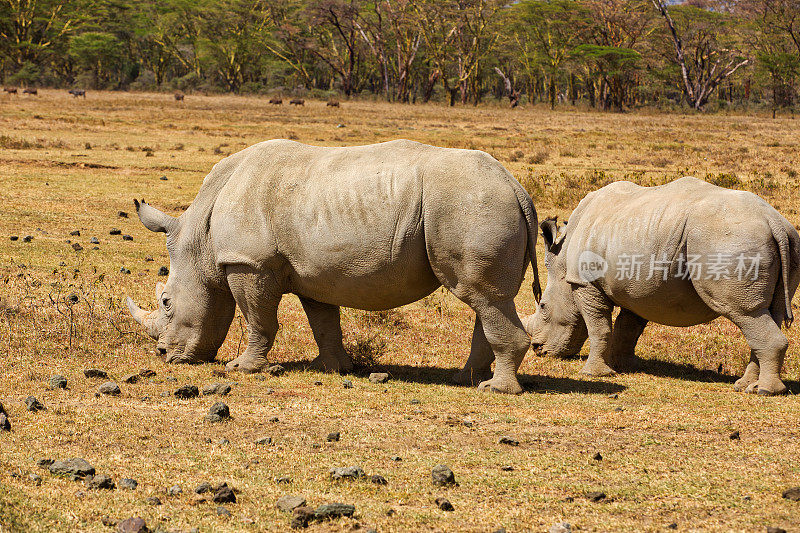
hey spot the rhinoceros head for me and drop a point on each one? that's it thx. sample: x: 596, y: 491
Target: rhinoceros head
x: 556, y: 328
x: 193, y: 314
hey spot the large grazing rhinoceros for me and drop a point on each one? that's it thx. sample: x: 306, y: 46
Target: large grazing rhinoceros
x: 369, y: 227
x: 680, y: 254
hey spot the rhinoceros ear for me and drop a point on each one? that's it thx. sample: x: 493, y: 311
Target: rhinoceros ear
x: 553, y: 233
x: 155, y: 220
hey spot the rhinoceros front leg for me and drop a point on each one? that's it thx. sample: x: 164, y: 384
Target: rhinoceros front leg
x: 327, y: 328
x: 479, y: 365
x: 768, y: 344
x: 257, y: 294
x: 596, y: 308
x: 628, y: 327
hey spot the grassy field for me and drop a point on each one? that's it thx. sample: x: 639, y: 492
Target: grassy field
x: 663, y: 433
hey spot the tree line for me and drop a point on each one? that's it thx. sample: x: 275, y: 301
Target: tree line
x: 607, y: 54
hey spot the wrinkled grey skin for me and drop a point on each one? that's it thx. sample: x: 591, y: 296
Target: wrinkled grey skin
x: 689, y: 217
x: 369, y: 227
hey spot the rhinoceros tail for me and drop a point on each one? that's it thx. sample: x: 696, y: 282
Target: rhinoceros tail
x: 532, y: 221
x: 784, y: 247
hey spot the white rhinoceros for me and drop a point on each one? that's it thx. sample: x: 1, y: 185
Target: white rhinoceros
x: 369, y: 227
x: 680, y: 254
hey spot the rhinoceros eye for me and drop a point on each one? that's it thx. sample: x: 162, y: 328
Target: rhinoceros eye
x: 166, y: 302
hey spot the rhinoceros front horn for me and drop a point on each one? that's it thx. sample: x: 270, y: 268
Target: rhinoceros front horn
x: 142, y: 317
x: 155, y: 220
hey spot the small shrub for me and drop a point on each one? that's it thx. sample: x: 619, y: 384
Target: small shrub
x: 539, y: 157
x: 516, y: 155
x: 12, y: 143
x: 729, y: 181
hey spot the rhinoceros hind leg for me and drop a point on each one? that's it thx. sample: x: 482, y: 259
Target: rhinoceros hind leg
x: 768, y: 345
x: 628, y: 327
x: 750, y: 375
x: 479, y: 365
x: 596, y: 308
x: 326, y: 326
x: 509, y: 343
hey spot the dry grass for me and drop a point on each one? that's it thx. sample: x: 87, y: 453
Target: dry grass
x: 71, y: 164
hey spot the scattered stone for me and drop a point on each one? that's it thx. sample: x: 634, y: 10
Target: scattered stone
x: 110, y: 388
x: 276, y: 370
x: 133, y: 525
x: 76, y: 468
x: 223, y: 512
x: 72, y: 299
x: 131, y: 379
x: 347, y: 472
x: 377, y: 479
x: 563, y: 527
x: 175, y: 490
x: 153, y: 500
x: 618, y: 409
x: 330, y: 511
x: 673, y: 525
x: 224, y: 495
x: 163, y: 271
x: 220, y: 389
x: 264, y: 440
x: 58, y: 382
x: 14, y: 237
x: 792, y: 494
x: 771, y: 529
x: 444, y: 504
x: 273, y: 419
x: 597, y: 457
x: 147, y: 373
x: 149, y: 259
x: 202, y: 488
x: 508, y: 440
x: 122, y: 214
x: 414, y: 401
x: 218, y: 412
x: 43, y: 463
x: 128, y: 483
x: 334, y: 436
x: 396, y: 458
x: 77, y: 247
x: 94, y: 240
x: 75, y: 233
x: 283, y: 480
x: 163, y: 178
x: 27, y: 238
x: 301, y: 516
x: 187, y: 391
x: 317, y: 383
x: 101, y: 481
x: 595, y: 496
x: 124, y: 270
x: 347, y: 384
x: 734, y: 435
x: 443, y: 476
x: 507, y: 468
x: 171, y: 379
x: 36, y: 479
x: 33, y: 405
x: 115, y: 231
x: 289, y: 502
x: 378, y: 377
x: 127, y: 237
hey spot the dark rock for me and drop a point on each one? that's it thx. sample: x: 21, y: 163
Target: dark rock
x: 148, y: 259
x: 163, y: 271
x: 734, y: 435
x: 273, y: 419
x: 14, y: 237
x: 175, y: 490
x: 72, y: 299
x: 378, y: 479
x: 618, y: 409
x: 396, y: 458
x: 507, y: 468
x: 75, y: 467
x: 301, y: 516
x: 771, y: 529
x: 186, y: 392
x: 77, y: 247
x: 218, y: 412
x: 414, y: 401
x: 33, y: 405
x: 132, y: 525
x: 508, y: 440
x: 202, y: 488
x: 264, y: 440
x: 58, y: 382
x: 334, y: 436
x: 444, y: 504
x: 673, y: 525
x: 101, y: 481
x: 127, y: 237
x: 597, y: 457
x: 347, y: 384
x: 115, y: 231
x: 124, y: 270
x: 276, y: 370
x: 131, y: 379
x: 223, y: 512
x: 289, y: 502
x: 283, y: 480
x: 595, y: 496
x: 163, y: 178
x: 122, y: 214
x: 128, y: 483
x: 378, y: 377
x: 442, y: 475
x: 44, y: 463
x: 27, y: 238
x: 75, y: 233
x: 110, y: 388
x: 347, y: 472
x: 792, y: 494
x: 94, y: 240
x: 224, y: 495
x: 147, y: 373
x: 330, y: 511
x: 220, y: 389
x: 317, y: 383
x: 153, y: 500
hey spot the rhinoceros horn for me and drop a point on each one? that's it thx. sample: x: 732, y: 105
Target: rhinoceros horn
x: 142, y: 317
x: 155, y: 220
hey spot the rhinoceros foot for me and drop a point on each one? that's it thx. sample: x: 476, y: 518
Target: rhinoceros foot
x: 245, y: 364
x: 471, y: 377
x: 775, y: 388
x: 341, y: 364
x: 597, y: 369
x: 504, y: 386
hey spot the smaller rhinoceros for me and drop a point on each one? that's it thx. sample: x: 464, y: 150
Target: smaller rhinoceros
x: 680, y: 254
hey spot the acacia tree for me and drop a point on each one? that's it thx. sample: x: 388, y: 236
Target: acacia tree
x: 711, y: 60
x: 335, y: 38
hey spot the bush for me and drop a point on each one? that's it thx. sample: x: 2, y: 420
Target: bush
x: 146, y: 81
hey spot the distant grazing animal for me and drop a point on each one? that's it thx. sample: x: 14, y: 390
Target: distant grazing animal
x: 333, y: 103
x: 77, y: 92
x: 297, y: 101
x: 30, y: 90
x: 276, y: 101
x: 10, y: 90
x: 179, y: 96
x: 368, y: 227
x: 679, y: 254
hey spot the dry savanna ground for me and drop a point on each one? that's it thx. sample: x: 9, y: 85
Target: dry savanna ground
x: 663, y: 433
